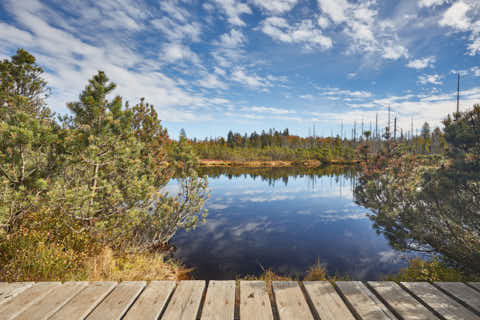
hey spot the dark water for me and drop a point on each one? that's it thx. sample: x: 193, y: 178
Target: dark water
x: 286, y: 220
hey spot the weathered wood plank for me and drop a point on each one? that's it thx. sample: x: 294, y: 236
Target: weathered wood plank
x: 401, y: 301
x: 83, y: 303
x: 118, y: 302
x: 151, y: 301
x: 327, y: 302
x: 462, y: 292
x: 363, y: 301
x: 51, y: 303
x: 185, y: 301
x: 10, y: 290
x: 220, y: 301
x: 439, y: 301
x: 476, y: 285
x: 254, y: 301
x: 291, y: 303
x: 23, y: 300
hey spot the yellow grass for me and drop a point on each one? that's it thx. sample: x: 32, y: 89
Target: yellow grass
x: 134, y: 267
x: 272, y: 164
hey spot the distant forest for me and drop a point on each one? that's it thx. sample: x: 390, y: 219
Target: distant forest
x: 277, y: 145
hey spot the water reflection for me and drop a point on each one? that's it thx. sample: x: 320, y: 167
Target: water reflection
x: 438, y: 214
x: 284, y: 219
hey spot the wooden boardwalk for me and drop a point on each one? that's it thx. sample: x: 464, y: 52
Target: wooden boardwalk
x: 223, y: 300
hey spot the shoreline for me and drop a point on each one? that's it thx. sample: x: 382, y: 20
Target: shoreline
x: 273, y: 163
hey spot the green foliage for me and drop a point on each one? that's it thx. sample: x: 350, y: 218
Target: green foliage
x: 433, y: 270
x: 426, y: 204
x: 21, y: 86
x: 95, y: 180
x: 274, y: 146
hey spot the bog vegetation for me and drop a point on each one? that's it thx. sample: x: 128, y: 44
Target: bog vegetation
x: 77, y: 185
x: 274, y: 145
x: 82, y: 195
x: 429, y: 204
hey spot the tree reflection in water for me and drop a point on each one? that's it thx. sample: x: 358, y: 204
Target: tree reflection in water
x: 431, y: 208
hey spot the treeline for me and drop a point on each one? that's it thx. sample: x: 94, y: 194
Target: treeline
x: 74, y: 185
x: 273, y: 145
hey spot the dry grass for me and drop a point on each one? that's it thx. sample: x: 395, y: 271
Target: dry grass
x: 268, y: 163
x: 134, y: 267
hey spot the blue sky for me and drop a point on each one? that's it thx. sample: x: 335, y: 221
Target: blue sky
x: 210, y: 66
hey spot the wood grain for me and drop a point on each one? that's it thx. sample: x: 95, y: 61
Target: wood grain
x: 401, y: 301
x: 328, y: 304
x: 439, y: 301
x: 462, y: 292
x: 291, y: 303
x: 220, y: 301
x: 51, y: 303
x: 363, y: 301
x: 152, y: 301
x: 23, y: 300
x: 254, y: 301
x: 185, y: 301
x: 118, y: 301
x: 83, y: 303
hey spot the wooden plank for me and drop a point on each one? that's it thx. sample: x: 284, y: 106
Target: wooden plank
x: 327, y: 302
x: 51, y: 303
x: 363, y: 301
x: 254, y: 301
x: 291, y: 303
x: 152, y: 301
x: 118, y: 302
x: 10, y: 290
x: 439, y: 301
x: 185, y: 301
x: 476, y: 285
x: 220, y: 301
x: 84, y: 302
x: 462, y: 292
x: 401, y: 301
x: 23, y: 300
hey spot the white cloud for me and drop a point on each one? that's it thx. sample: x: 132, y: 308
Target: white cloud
x: 178, y: 31
x: 456, y: 17
x: 464, y: 16
x: 307, y: 97
x: 71, y: 56
x: 175, y: 11
x: 276, y: 6
x: 173, y: 52
x: 422, y: 63
x: 430, y: 79
x: 306, y: 32
x: 336, y: 92
x: 323, y: 22
x: 431, y: 3
x: 233, y: 39
x: 335, y: 9
x: 234, y: 9
x: 211, y: 81
x: 269, y: 110
x: 395, y: 52
x: 461, y: 72
x: 358, y: 23
x: 476, y: 71
x: 250, y: 80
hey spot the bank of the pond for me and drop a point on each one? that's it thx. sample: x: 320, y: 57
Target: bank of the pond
x: 273, y: 163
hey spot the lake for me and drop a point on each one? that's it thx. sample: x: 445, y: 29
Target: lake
x: 285, y: 219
